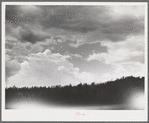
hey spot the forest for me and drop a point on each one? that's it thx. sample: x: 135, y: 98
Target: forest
x: 110, y: 92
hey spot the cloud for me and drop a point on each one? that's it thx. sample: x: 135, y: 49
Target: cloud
x: 12, y: 32
x: 127, y: 69
x: 31, y: 10
x: 130, y: 50
x: 86, y: 77
x: 12, y: 68
x: 24, y: 31
x: 137, y: 11
x: 16, y: 50
x: 86, y: 23
x: 76, y: 43
x: 108, y: 25
x: 61, y: 68
x: 126, y: 58
x: 36, y: 48
x: 30, y: 36
x: 47, y: 69
x: 22, y: 13
x: 11, y: 12
x: 76, y: 55
x: 13, y: 16
x: 73, y: 18
x: 111, y: 34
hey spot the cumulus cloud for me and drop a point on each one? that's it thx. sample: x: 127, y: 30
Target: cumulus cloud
x: 46, y: 69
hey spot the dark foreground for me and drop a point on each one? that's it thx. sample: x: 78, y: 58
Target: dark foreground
x: 122, y: 94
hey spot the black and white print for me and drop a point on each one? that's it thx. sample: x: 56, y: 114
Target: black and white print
x: 86, y: 57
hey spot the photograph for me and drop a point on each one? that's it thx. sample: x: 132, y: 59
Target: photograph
x: 75, y: 57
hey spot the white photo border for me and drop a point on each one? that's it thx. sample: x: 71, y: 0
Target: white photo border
x: 65, y: 115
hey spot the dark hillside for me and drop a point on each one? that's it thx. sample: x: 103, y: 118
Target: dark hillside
x: 111, y: 92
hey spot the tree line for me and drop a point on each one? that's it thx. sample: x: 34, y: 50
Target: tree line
x: 111, y: 92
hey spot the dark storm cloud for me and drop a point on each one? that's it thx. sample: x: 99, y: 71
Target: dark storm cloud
x: 75, y: 18
x: 92, y: 22
x: 14, y: 16
x: 30, y: 36
x: 11, y: 12
x: 99, y: 20
x: 119, y: 30
x: 82, y: 26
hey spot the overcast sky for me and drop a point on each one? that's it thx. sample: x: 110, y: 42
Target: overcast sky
x: 59, y: 45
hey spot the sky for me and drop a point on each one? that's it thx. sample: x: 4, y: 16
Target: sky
x: 48, y: 45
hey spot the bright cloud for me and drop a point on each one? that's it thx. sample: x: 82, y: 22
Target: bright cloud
x: 126, y: 58
x: 120, y: 52
x: 46, y: 69
x: 128, y: 69
x: 136, y: 11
